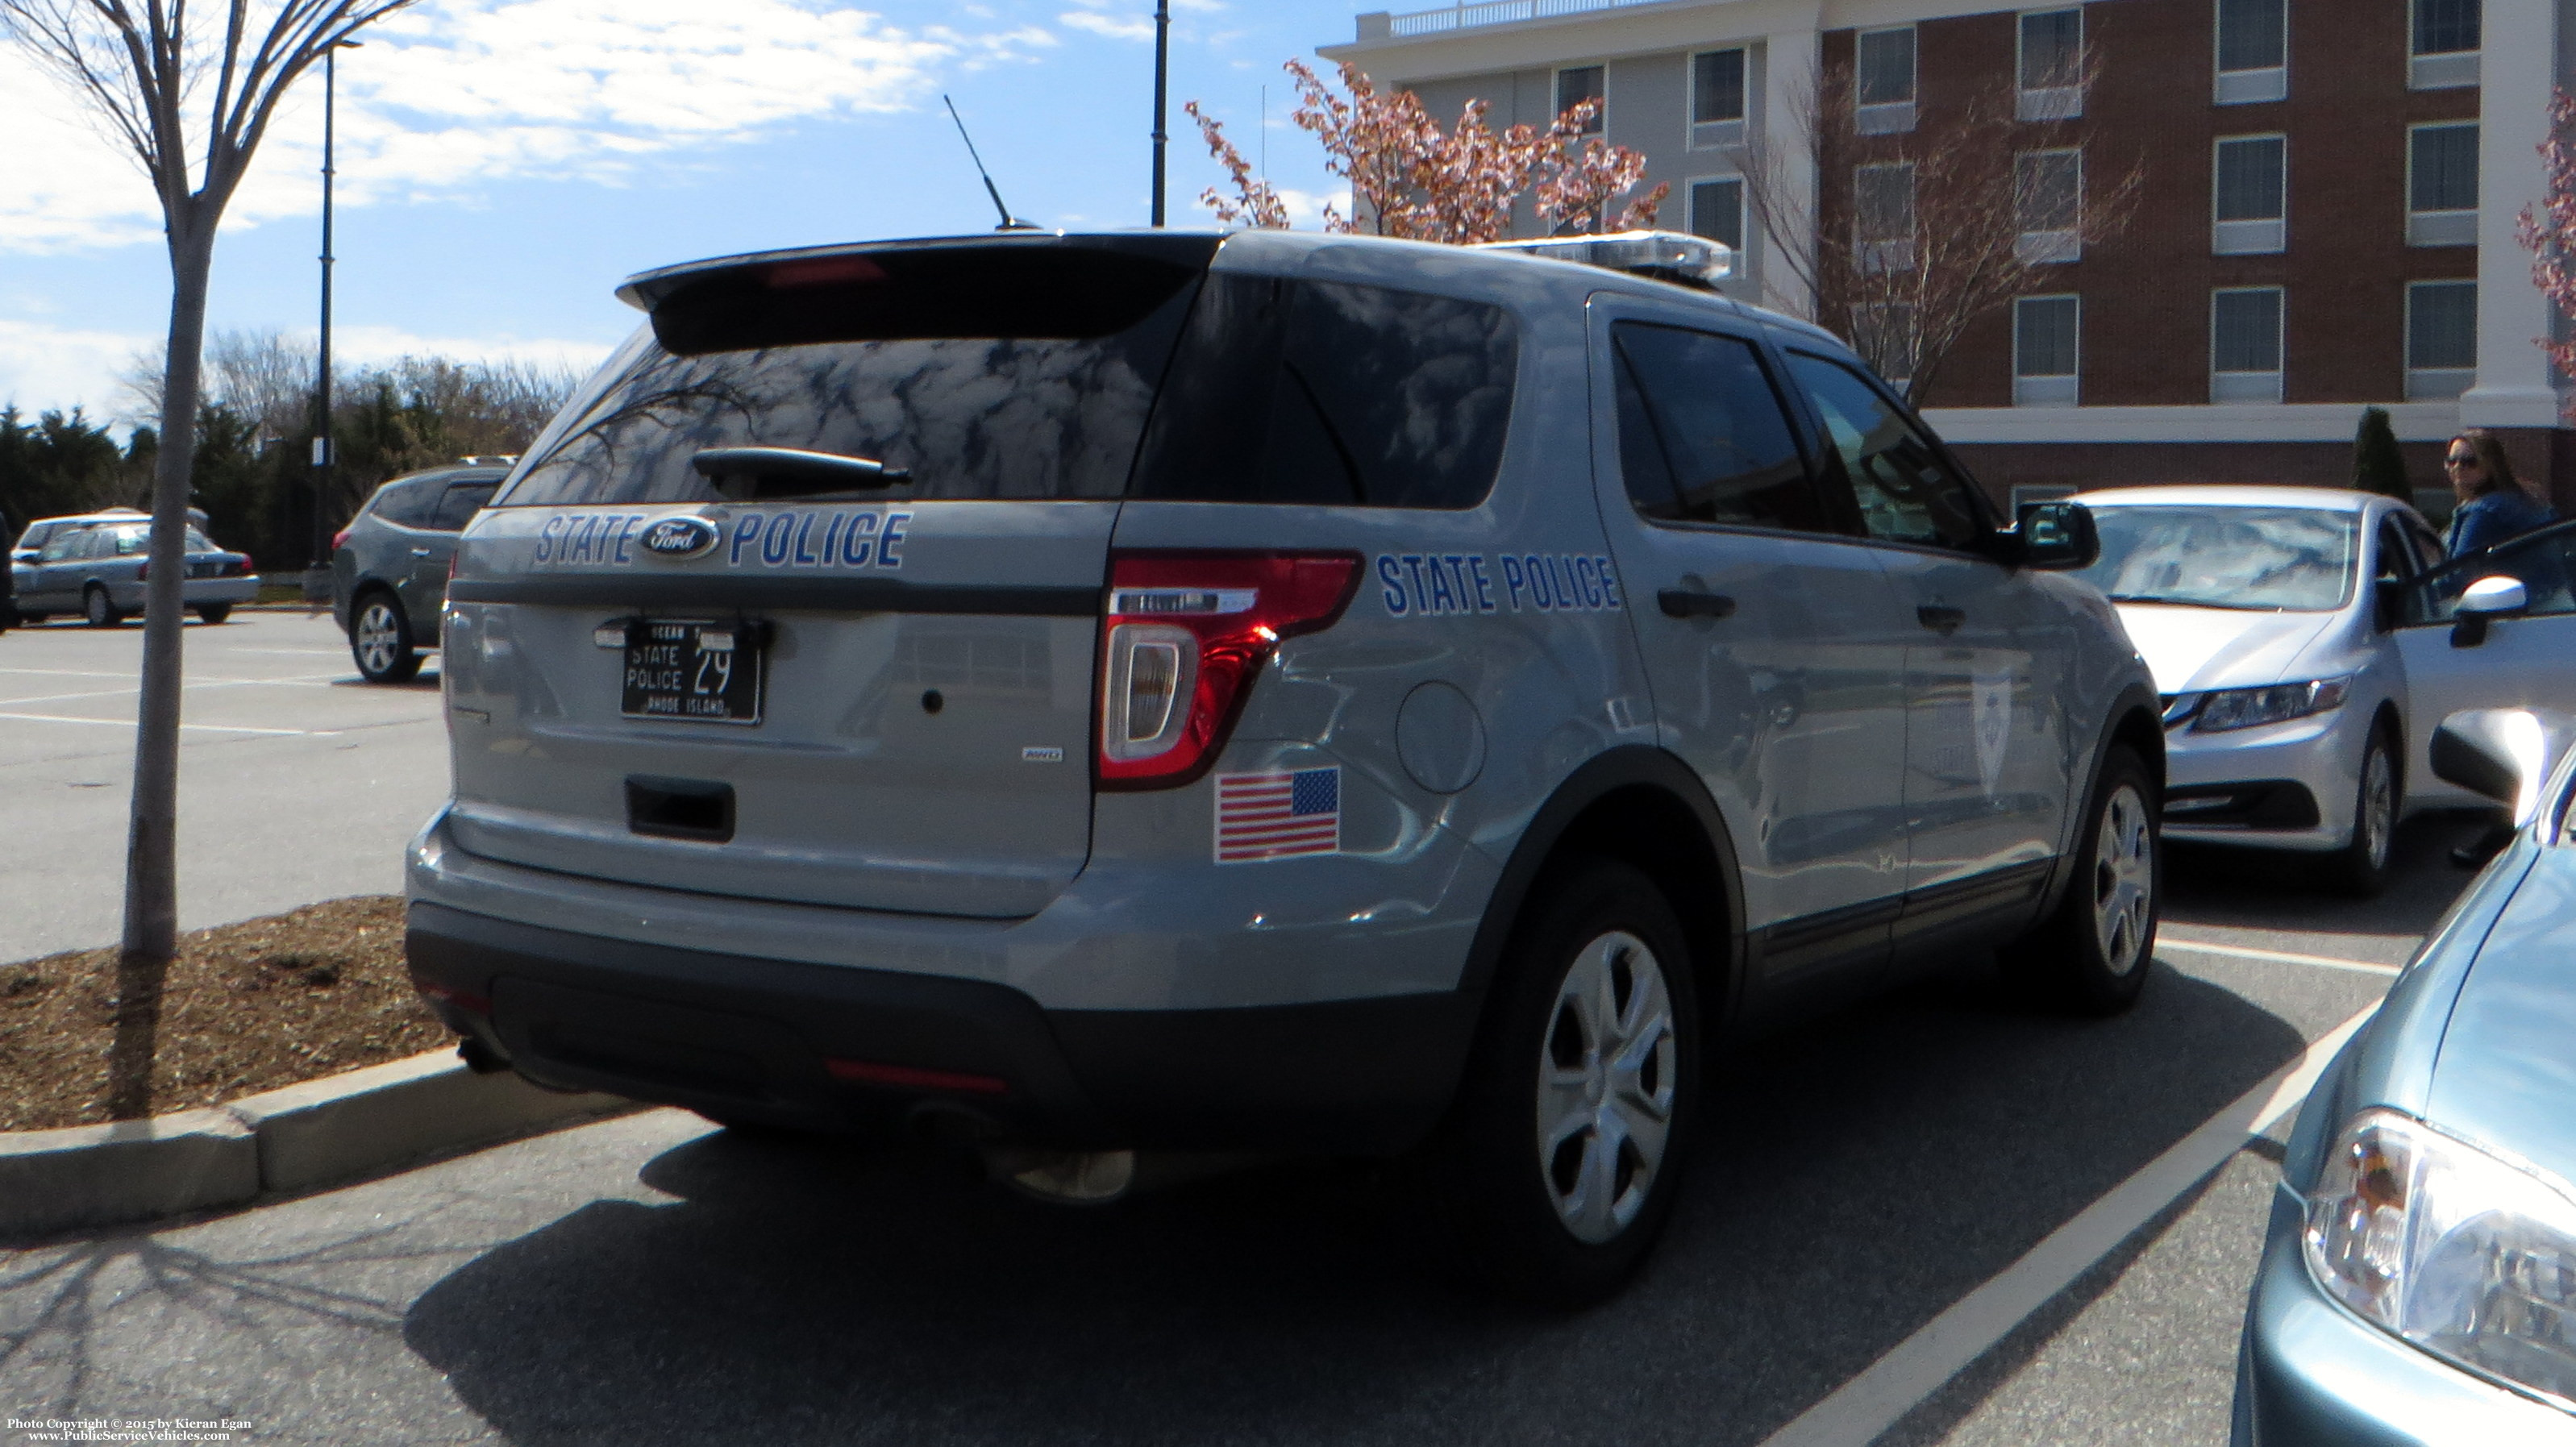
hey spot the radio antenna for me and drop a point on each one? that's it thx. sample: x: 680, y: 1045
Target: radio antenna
x: 1009, y: 221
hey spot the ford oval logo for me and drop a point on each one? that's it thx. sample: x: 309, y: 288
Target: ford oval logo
x: 681, y: 537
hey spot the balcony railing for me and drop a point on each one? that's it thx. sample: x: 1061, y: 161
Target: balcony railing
x: 1487, y: 12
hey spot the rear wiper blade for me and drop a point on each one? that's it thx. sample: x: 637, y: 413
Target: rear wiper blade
x: 772, y: 472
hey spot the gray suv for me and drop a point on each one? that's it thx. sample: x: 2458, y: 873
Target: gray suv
x: 389, y: 565
x: 1118, y: 699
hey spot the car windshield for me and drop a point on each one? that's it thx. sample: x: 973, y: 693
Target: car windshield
x: 2270, y: 559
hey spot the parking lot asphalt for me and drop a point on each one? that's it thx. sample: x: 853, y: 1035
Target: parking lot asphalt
x: 297, y: 782
x: 653, y: 1280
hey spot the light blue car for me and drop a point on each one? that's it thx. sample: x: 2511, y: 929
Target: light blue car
x: 2419, y: 1283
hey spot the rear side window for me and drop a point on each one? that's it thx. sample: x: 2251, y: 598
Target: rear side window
x: 1702, y: 437
x: 1329, y: 393
x: 457, y: 507
x: 407, y: 504
x: 1906, y: 493
x: 986, y: 371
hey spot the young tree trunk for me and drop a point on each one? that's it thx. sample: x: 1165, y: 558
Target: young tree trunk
x: 151, y: 850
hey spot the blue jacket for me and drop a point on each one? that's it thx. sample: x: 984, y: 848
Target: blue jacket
x: 2482, y: 522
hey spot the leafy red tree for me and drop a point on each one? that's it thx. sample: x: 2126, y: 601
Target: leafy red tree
x: 1410, y: 178
x: 2548, y: 230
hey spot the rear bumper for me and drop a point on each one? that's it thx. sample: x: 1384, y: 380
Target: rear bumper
x: 870, y: 1051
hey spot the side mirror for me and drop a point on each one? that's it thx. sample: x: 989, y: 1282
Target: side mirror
x: 2055, y: 536
x: 2486, y: 599
x: 2501, y: 753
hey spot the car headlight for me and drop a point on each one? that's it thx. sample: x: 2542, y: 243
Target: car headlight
x: 2467, y: 1256
x: 2245, y: 708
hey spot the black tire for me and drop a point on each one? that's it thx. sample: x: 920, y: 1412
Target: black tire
x: 2360, y: 868
x: 214, y: 612
x: 380, y: 639
x: 98, y: 610
x: 1522, y: 1209
x: 2091, y: 955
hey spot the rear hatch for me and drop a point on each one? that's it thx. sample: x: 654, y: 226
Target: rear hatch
x: 800, y: 600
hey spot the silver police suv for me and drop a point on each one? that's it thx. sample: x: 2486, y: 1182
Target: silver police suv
x: 1115, y: 697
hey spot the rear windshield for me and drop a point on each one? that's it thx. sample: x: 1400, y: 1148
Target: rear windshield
x: 973, y: 372
x: 1024, y: 373
x: 132, y: 541
x: 2265, y: 559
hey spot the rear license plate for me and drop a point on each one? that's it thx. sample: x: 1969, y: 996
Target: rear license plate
x: 692, y: 672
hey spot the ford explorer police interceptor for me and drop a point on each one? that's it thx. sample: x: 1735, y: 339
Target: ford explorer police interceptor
x: 1107, y: 696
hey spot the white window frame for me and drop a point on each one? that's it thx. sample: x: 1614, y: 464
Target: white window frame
x: 2041, y: 248
x: 2053, y: 389
x: 1556, y: 92
x: 2247, y: 87
x: 2253, y: 386
x: 2439, y: 228
x: 2437, y: 382
x: 1888, y: 117
x: 2261, y: 236
x: 1707, y: 135
x: 1884, y: 253
x: 1743, y: 210
x: 2046, y: 103
x: 2443, y: 69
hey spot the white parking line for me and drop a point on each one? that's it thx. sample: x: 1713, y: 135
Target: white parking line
x: 1870, y: 1403
x: 2366, y: 967
x: 74, y: 672
x: 127, y: 723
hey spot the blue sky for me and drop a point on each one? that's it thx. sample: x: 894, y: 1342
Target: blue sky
x: 503, y: 163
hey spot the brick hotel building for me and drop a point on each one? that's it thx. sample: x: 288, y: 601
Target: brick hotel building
x: 2326, y: 220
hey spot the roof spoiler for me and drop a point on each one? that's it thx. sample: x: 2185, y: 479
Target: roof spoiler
x: 1693, y: 261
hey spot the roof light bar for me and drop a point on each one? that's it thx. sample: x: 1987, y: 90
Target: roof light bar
x: 1663, y: 255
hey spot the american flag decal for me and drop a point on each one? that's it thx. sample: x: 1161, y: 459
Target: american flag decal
x: 1278, y: 815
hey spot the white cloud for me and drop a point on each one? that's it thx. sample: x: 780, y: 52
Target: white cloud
x: 1116, y: 27
x: 361, y: 346
x: 1306, y: 208
x: 441, y: 102
x: 53, y: 369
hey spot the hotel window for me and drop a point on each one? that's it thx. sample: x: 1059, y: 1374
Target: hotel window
x: 2253, y: 51
x: 2447, y: 36
x: 1883, y: 83
x: 1883, y: 216
x: 2048, y: 202
x: 2245, y: 344
x: 2441, y: 338
x: 2250, y: 195
x: 2045, y: 346
x: 1717, y: 212
x: 2052, y: 65
x: 1578, y: 84
x: 2442, y: 185
x: 1717, y: 98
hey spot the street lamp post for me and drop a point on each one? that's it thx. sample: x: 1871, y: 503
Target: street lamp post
x: 323, y: 451
x: 1162, y: 73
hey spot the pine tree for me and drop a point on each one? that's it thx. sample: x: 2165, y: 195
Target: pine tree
x: 2378, y: 465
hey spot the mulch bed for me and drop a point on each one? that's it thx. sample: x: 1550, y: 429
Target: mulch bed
x: 250, y: 1007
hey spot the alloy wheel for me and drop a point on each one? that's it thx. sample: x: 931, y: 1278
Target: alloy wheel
x: 379, y: 637
x: 1607, y: 1072
x: 2124, y: 881
x: 2378, y: 815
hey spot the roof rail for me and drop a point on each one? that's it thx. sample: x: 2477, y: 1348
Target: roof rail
x: 1694, y: 261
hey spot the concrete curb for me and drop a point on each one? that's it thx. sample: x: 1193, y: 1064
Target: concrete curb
x: 322, y: 1131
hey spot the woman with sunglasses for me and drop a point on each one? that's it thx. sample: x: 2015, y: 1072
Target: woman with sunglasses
x: 2494, y: 505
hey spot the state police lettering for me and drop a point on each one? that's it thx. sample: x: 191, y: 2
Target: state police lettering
x: 1437, y: 585
x: 804, y: 539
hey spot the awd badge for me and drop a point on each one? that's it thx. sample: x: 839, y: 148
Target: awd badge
x: 681, y: 538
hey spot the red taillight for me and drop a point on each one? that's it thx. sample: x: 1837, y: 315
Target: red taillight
x: 1183, y: 638
x: 143, y: 570
x: 247, y: 568
x: 914, y: 1078
x: 339, y: 540
x: 461, y: 999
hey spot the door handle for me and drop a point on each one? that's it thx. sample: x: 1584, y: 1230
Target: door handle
x: 420, y: 552
x: 1691, y: 603
x: 1940, y: 619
